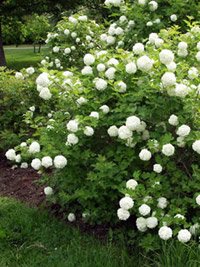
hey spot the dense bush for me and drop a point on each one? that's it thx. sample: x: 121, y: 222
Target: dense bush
x: 124, y: 125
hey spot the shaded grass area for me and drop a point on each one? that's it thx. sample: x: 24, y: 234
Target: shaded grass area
x: 22, y: 57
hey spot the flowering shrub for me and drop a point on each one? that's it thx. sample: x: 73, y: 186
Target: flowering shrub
x: 72, y: 38
x: 120, y: 129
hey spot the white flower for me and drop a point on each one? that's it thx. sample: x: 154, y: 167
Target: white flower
x: 67, y: 74
x: 66, y: 32
x: 110, y: 73
x: 165, y: 233
x: 181, y: 90
x: 32, y: 108
x: 101, y: 67
x: 56, y: 49
x: 34, y: 148
x: 149, y: 23
x: 73, y: 20
x: 141, y: 224
x: 119, y: 31
x: 72, y: 126
x: 142, y: 2
x: 67, y: 51
x: 184, y: 236
x: 131, y: 184
x: 180, y: 141
x: 60, y: 162
x: 110, y: 40
x: 168, y: 79
x: 43, y: 80
x: 173, y: 120
x: 87, y: 70
x: 47, y: 162
x: 153, y: 5
x: 11, y: 154
x: 153, y: 37
x: 145, y: 155
x: 124, y: 132
x: 115, y: 3
x: 131, y: 68
x: 152, y: 222
x: 72, y: 139
x: 45, y: 93
x: 198, y: 200
x: 48, y: 191
x: 88, y: 131
x: 121, y: 87
x: 144, y: 209
x: 168, y: 150
x: 182, y: 53
x: 81, y: 101
x: 182, y: 45
x: 166, y: 56
x: 122, y: 214
x: 36, y: 164
x: 198, y: 56
x: 18, y: 158
x: 19, y: 76
x: 198, y: 46
x: 194, y: 228
x: 193, y: 73
x: 157, y: 168
x: 23, y: 144
x: 94, y: 114
x: 30, y: 70
x: 179, y: 216
x: 138, y: 48
x: 24, y: 165
x: 173, y: 18
x: 101, y: 84
x: 126, y: 203
x: 89, y: 59
x: 144, y: 63
x: 183, y: 130
x: 71, y: 217
x: 159, y: 42
x: 113, y: 131
x: 162, y: 202
x: 171, y: 66
x: 105, y: 109
x: 133, y: 123
x: 196, y: 146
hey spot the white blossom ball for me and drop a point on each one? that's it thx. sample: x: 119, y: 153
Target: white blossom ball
x: 141, y: 224
x: 87, y: 70
x: 168, y: 79
x: 168, y: 150
x: 153, y: 5
x: 138, y: 48
x: 145, y: 155
x: 110, y: 73
x: 173, y: 17
x: 71, y: 217
x: 133, y: 123
x: 110, y: 40
x: 198, y: 56
x: 23, y: 144
x: 142, y: 2
x: 18, y: 158
x: 24, y: 165
x: 47, y: 162
x: 72, y: 139
x: 11, y: 154
x: 184, y: 236
x: 144, y: 209
x: 121, y: 87
x: 151, y: 222
x: 67, y: 51
x: 36, y: 164
x: 196, y: 146
x: 123, y: 214
x: 89, y: 59
x: 144, y: 63
x: 173, y: 120
x: 101, y: 67
x: 72, y: 126
x: 94, y: 114
x: 105, y: 109
x: 157, y: 168
x: 60, y: 162
x: 88, y: 131
x: 43, y: 80
x: 198, y: 200
x: 131, y: 184
x: 30, y: 70
x: 48, y: 191
x: 162, y: 202
x: 66, y: 32
x: 183, y: 130
x: 126, y: 203
x: 182, y: 45
x: 19, y: 75
x: 34, y: 148
x: 165, y: 232
x: 113, y: 131
x: 182, y: 53
x: 81, y: 100
x: 171, y: 66
x: 45, y: 93
x: 193, y: 73
x: 56, y: 49
x: 131, y: 68
x: 181, y: 90
x: 124, y: 132
x: 166, y: 56
x: 101, y: 84
x: 198, y: 46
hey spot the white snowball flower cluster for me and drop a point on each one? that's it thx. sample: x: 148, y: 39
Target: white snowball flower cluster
x: 47, y: 162
x: 181, y: 90
x: 11, y: 154
x: 138, y: 48
x: 60, y: 162
x: 133, y: 123
x: 30, y: 70
x: 72, y: 139
x: 168, y: 150
x: 198, y: 200
x: 126, y: 203
x: 45, y: 93
x: 19, y: 75
x: 153, y: 5
x: 144, y: 209
x: 48, y: 191
x: 94, y: 114
x: 141, y: 224
x: 196, y: 146
x: 184, y: 236
x: 168, y: 79
x: 183, y: 130
x: 89, y: 59
x: 144, y: 63
x: 71, y: 217
x: 115, y: 3
x: 88, y: 131
x: 173, y: 17
x: 121, y: 87
x: 72, y: 126
x: 145, y: 155
x: 43, y: 82
x: 34, y: 148
x: 105, y: 109
x: 162, y: 203
x: 173, y: 120
x: 101, y: 84
x: 123, y: 214
x: 157, y: 168
x: 166, y: 56
x: 113, y: 131
x: 152, y: 222
x: 124, y: 132
x: 131, y: 184
x: 131, y: 68
x: 36, y: 164
x: 165, y: 232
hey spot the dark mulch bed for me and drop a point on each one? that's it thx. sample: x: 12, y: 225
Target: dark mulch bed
x: 20, y: 183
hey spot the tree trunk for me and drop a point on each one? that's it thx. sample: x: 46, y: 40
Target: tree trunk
x: 2, y: 54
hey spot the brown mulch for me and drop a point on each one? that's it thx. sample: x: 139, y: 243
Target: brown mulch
x: 20, y: 183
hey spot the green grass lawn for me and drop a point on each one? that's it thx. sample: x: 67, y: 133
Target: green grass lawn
x: 22, y: 56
